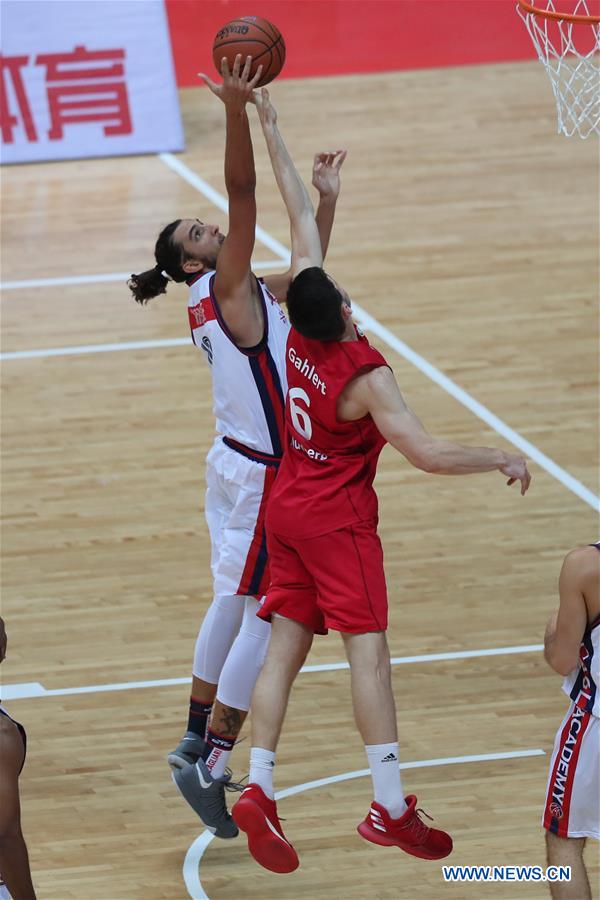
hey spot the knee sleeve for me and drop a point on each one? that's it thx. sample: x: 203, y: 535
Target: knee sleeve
x: 217, y: 633
x: 245, y: 659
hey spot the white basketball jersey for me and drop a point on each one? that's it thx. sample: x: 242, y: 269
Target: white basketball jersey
x: 249, y: 384
x: 582, y: 683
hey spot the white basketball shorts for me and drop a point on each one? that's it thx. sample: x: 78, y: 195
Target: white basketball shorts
x: 573, y: 793
x: 237, y: 490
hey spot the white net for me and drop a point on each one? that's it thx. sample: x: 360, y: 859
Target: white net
x: 570, y: 52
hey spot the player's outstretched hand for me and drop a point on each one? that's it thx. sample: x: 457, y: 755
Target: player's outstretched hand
x: 516, y: 469
x: 237, y: 86
x: 266, y: 111
x: 326, y: 172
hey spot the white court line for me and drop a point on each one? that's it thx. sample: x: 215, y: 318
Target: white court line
x: 513, y: 437
x: 95, y: 348
x: 369, y: 323
x: 107, y: 277
x: 35, y: 689
x: 193, y: 858
x: 435, y: 657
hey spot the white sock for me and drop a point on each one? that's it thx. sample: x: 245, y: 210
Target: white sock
x: 262, y: 763
x: 385, y: 772
x: 216, y: 762
x: 217, y: 751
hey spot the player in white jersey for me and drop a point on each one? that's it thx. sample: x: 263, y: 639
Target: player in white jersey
x: 15, y: 875
x: 572, y: 648
x: 237, y: 323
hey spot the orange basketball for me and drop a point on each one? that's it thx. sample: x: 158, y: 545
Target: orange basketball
x: 255, y: 37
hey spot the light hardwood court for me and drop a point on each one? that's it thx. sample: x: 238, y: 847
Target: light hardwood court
x: 469, y: 230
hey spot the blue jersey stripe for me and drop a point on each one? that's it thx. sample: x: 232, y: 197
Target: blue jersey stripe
x: 267, y: 404
x: 585, y: 670
x: 275, y: 376
x: 259, y: 568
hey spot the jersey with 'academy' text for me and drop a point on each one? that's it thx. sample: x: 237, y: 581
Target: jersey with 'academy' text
x: 325, y: 481
x: 249, y: 383
x: 582, y: 683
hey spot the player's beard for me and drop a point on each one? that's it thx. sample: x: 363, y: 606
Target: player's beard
x: 210, y: 262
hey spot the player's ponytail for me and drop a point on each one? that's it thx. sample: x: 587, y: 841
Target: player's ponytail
x: 147, y: 285
x: 169, y: 258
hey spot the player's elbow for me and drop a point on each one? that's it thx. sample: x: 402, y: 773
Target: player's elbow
x: 560, y: 660
x: 10, y: 831
x: 244, y: 186
x: 422, y: 458
x: 431, y: 464
x: 561, y: 667
x: 303, y: 227
x: 419, y: 450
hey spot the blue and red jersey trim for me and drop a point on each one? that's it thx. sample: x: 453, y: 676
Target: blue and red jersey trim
x: 261, y: 362
x: 255, y: 577
x: 246, y: 351
x: 562, y: 776
x: 266, y: 378
x: 584, y: 690
x: 267, y: 459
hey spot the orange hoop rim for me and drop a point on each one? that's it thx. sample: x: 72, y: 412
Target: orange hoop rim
x: 561, y: 17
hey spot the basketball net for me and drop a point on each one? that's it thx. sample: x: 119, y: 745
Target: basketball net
x: 568, y: 45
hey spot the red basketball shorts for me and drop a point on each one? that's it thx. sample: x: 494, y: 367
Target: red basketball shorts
x: 333, y: 581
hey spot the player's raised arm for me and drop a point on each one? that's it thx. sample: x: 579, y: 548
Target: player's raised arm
x: 306, y: 242
x: 377, y: 393
x: 565, y: 628
x: 233, y: 264
x: 326, y: 179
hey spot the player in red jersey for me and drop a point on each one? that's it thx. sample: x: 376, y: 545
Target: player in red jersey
x: 326, y: 559
x: 241, y: 331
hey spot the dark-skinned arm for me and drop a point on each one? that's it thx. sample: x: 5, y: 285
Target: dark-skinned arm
x: 233, y: 285
x: 14, y: 859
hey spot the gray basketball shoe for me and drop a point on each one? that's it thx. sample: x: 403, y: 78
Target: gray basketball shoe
x: 206, y: 796
x: 187, y: 752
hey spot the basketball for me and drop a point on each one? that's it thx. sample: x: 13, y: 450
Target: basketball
x: 255, y: 37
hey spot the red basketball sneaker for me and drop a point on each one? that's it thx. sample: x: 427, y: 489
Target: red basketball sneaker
x: 409, y: 832
x: 255, y: 814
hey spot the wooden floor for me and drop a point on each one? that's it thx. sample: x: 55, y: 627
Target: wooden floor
x: 470, y: 231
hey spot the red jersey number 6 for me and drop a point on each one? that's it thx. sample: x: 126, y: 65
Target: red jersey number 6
x: 300, y: 417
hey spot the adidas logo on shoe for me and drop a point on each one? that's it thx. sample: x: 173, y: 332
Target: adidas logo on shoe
x: 377, y: 820
x: 408, y: 832
x: 391, y: 757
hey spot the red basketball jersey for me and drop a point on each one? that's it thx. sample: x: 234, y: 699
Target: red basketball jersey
x: 325, y: 481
